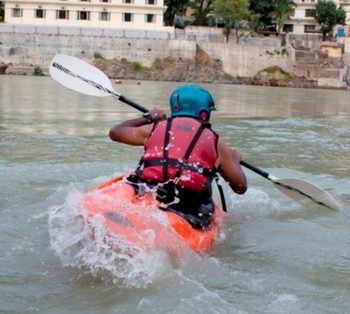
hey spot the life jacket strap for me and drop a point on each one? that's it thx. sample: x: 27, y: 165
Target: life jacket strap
x: 179, y: 165
x: 165, y: 148
x: 221, y: 192
x: 190, y: 148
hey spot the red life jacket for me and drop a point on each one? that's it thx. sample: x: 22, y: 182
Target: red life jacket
x: 181, y: 148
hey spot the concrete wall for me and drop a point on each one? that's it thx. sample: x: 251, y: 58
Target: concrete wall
x: 28, y: 44
x: 346, y: 42
x: 246, y: 60
x: 37, y: 45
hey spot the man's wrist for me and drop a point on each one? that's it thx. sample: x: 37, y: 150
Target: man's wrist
x: 148, y: 116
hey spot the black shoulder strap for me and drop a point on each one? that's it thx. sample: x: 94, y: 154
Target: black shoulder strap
x: 191, y: 146
x: 194, y: 142
x: 141, y: 162
x: 221, y: 192
x: 166, y: 149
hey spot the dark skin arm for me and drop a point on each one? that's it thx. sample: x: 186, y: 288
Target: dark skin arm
x: 230, y: 169
x: 136, y: 131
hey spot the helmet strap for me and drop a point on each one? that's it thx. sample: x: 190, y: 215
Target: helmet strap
x: 204, y: 115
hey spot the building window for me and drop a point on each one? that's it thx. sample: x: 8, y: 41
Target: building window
x: 309, y: 12
x: 127, y: 17
x: 151, y: 2
x: 83, y: 15
x: 62, y: 14
x: 309, y: 28
x: 128, y: 1
x: 150, y: 18
x: 288, y: 28
x: 17, y: 12
x: 105, y: 16
x: 39, y: 13
x: 105, y: 0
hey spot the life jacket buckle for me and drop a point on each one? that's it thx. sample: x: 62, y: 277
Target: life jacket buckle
x: 162, y: 194
x: 166, y: 192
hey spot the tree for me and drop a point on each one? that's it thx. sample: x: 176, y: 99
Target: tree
x: 2, y: 17
x: 282, y: 10
x: 264, y: 9
x: 234, y: 13
x: 174, y: 7
x: 201, y: 9
x: 328, y: 15
x: 255, y: 24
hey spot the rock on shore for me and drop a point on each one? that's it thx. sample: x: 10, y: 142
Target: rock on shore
x: 201, y: 69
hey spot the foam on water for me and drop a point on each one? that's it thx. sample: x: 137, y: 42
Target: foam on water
x: 284, y: 303
x: 89, y: 247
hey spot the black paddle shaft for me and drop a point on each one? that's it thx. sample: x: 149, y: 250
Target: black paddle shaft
x: 132, y: 104
x: 255, y: 169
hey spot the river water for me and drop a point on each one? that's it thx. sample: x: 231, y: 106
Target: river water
x: 273, y: 256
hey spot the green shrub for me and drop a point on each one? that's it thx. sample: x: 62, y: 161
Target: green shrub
x: 38, y: 71
x: 97, y: 55
x: 137, y: 67
x: 3, y: 68
x: 228, y: 76
x: 276, y: 70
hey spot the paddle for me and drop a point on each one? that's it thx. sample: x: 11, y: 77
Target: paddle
x: 82, y: 77
x: 297, y: 189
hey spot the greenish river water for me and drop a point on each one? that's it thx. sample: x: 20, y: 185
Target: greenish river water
x: 273, y: 256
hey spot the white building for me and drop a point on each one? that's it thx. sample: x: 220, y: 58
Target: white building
x: 301, y: 22
x: 126, y: 14
x: 345, y: 4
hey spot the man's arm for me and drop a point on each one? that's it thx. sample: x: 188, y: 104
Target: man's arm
x: 230, y: 169
x: 136, y: 131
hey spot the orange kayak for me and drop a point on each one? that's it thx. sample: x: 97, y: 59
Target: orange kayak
x: 137, y: 220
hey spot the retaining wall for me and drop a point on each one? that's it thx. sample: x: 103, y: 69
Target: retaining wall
x: 37, y: 45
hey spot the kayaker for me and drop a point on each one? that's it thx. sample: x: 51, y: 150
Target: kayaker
x: 182, y: 154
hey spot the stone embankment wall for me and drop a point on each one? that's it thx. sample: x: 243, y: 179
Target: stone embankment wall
x: 311, y: 62
x: 37, y: 45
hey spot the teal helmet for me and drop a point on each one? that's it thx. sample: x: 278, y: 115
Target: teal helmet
x: 193, y: 101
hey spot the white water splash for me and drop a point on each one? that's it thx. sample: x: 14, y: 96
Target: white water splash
x: 254, y: 201
x: 88, y: 247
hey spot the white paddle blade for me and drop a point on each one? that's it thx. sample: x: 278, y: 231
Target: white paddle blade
x: 302, y: 191
x: 80, y: 76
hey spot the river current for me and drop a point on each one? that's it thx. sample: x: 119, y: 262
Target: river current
x: 273, y: 256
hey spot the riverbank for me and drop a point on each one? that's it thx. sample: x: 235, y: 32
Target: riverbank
x: 203, y: 69
x: 192, y: 55
x: 195, y: 54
